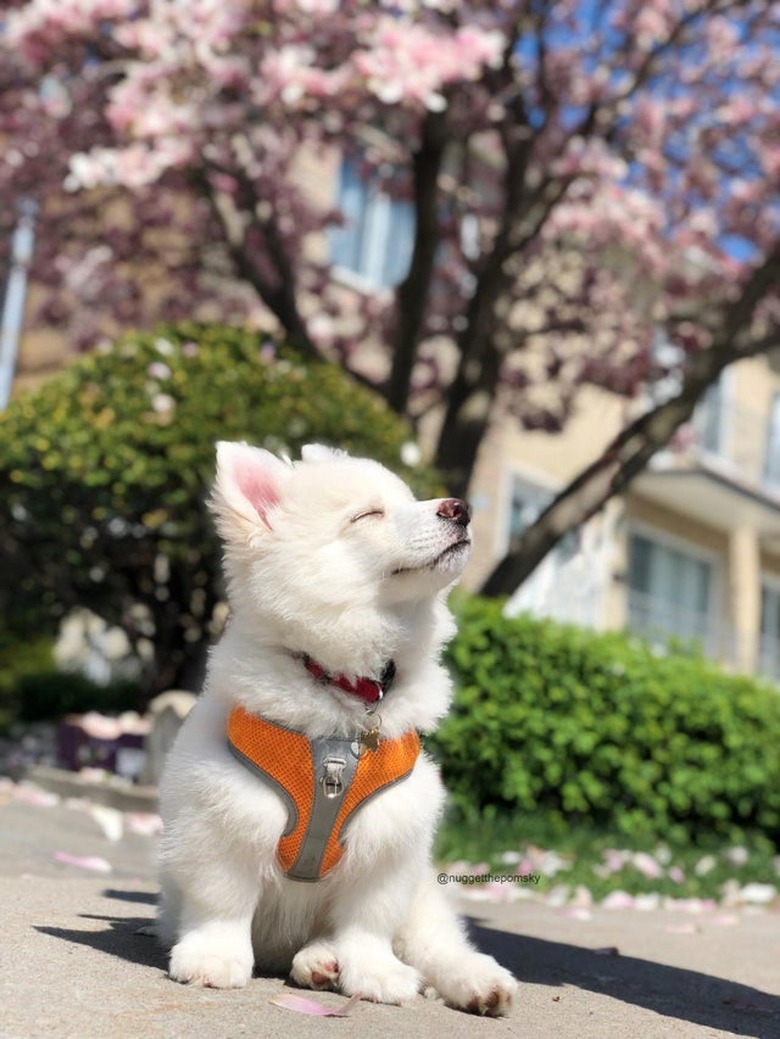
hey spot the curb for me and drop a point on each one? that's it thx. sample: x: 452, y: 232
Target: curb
x: 110, y: 791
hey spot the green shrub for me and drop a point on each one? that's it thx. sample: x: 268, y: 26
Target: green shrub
x: 104, y: 474
x: 586, y: 726
x: 52, y: 694
x: 17, y: 660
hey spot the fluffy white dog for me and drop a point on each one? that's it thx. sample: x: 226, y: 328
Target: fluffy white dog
x: 298, y: 810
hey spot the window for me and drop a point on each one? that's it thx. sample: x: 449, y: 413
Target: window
x: 570, y: 582
x: 708, y: 419
x: 769, y: 648
x: 524, y: 506
x: 375, y: 244
x: 670, y: 592
x: 527, y: 501
x: 772, y: 459
x: 670, y: 358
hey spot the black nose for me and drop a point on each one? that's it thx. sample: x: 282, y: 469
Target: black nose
x: 456, y: 510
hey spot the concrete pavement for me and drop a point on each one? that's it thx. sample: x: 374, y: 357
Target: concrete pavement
x: 73, y: 967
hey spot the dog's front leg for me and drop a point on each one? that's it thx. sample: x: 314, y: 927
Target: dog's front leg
x: 433, y: 939
x: 365, y: 916
x: 214, y: 946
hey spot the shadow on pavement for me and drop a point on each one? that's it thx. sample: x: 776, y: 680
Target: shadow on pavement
x: 672, y: 991
x: 119, y: 939
x: 144, y: 897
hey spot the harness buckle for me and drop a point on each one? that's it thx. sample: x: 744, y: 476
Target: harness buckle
x: 333, y: 777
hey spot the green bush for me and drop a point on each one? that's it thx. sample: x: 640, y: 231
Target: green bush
x: 19, y: 659
x: 52, y: 694
x: 583, y: 726
x: 104, y: 474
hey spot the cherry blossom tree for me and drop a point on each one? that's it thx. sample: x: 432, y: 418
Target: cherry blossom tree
x: 585, y: 176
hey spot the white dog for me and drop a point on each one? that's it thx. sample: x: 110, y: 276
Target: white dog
x: 298, y: 810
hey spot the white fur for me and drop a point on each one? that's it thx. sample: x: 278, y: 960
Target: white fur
x: 331, y: 557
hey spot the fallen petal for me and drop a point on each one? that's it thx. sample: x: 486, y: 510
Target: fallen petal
x: 33, y: 795
x: 289, y: 1001
x: 93, y: 862
x: 618, y: 900
x: 144, y: 823
x: 727, y: 920
x: 577, y: 913
x: 647, y: 903
x: 110, y: 821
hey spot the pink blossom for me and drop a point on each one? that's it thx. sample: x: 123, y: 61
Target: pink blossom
x: 647, y: 865
x: 642, y: 160
x: 406, y: 62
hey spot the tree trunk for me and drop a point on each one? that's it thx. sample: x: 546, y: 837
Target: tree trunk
x: 469, y: 399
x: 414, y: 291
x: 466, y: 420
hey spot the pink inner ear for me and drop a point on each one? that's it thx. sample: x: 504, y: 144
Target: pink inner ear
x: 258, y: 488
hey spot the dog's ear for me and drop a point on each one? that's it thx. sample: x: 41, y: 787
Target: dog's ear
x: 248, y: 485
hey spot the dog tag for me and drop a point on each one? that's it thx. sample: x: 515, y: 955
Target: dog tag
x: 370, y: 739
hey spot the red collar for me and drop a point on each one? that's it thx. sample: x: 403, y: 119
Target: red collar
x: 369, y: 690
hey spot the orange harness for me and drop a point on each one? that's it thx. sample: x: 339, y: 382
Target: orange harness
x: 323, y: 782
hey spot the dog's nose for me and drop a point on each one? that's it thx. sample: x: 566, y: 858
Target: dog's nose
x: 456, y: 510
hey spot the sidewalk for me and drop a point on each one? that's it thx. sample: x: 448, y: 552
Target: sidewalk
x: 73, y: 967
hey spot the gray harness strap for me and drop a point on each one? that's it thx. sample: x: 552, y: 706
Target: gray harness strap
x: 335, y: 761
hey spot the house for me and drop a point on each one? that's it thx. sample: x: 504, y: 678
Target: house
x: 691, y: 553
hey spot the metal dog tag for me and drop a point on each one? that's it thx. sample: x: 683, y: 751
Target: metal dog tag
x: 370, y: 740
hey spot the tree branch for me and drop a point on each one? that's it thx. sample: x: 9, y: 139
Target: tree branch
x: 279, y: 298
x: 631, y: 450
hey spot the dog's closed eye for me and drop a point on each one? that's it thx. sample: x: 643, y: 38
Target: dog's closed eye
x: 374, y: 511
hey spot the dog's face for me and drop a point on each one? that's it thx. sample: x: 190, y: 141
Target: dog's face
x: 332, y: 530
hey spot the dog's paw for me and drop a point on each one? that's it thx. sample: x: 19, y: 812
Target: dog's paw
x: 384, y: 980
x: 202, y: 960
x: 315, y: 966
x: 481, y: 986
